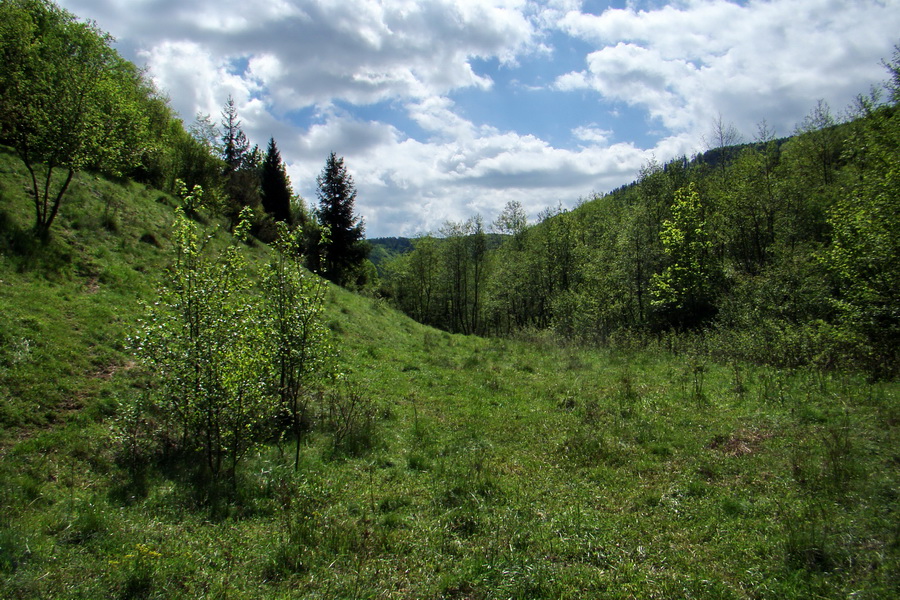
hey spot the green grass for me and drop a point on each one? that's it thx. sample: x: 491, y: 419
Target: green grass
x: 493, y: 468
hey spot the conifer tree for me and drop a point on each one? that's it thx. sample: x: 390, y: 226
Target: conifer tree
x: 344, y: 251
x: 234, y: 141
x: 241, y: 167
x: 275, y: 185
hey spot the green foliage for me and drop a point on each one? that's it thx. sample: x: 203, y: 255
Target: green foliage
x: 750, y: 207
x: 69, y: 101
x: 344, y: 251
x: 190, y: 160
x: 780, y: 249
x: 443, y: 281
x: 414, y: 278
x: 686, y: 287
x: 234, y: 140
x: 512, y: 220
x: 209, y: 348
x: 464, y: 269
x: 294, y: 300
x: 385, y: 249
x: 865, y: 251
x: 191, y: 201
x: 275, y: 185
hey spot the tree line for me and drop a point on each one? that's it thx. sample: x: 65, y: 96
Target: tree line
x: 69, y: 102
x: 778, y: 250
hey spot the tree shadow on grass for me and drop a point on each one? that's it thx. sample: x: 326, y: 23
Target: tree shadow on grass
x: 27, y: 251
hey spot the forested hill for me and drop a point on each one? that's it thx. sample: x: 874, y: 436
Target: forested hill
x: 385, y: 249
x: 781, y: 251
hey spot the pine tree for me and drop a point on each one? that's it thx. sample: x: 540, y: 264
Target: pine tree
x: 343, y: 252
x: 241, y: 166
x: 234, y: 141
x: 275, y: 185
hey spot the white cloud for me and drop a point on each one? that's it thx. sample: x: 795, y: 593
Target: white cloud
x: 201, y: 79
x: 593, y: 134
x: 360, y: 51
x: 677, y: 65
x: 408, y: 186
x: 688, y: 61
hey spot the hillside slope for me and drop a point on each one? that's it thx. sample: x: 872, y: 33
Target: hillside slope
x: 69, y: 305
x: 438, y: 466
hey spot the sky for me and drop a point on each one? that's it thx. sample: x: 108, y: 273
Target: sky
x: 445, y: 109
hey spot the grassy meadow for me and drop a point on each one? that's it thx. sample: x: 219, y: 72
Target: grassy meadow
x: 461, y: 467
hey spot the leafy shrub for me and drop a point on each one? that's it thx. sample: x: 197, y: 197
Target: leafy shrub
x: 209, y: 348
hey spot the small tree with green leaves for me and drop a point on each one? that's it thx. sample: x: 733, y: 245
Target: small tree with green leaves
x: 684, y: 291
x: 207, y: 343
x: 295, y: 302
x: 68, y: 101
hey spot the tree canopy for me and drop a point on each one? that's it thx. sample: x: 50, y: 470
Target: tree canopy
x: 68, y: 101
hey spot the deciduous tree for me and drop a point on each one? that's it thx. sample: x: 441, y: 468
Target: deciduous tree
x: 295, y: 302
x: 211, y: 349
x: 684, y: 290
x: 68, y: 100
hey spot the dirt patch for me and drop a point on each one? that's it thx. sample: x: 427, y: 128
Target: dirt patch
x: 740, y: 443
x: 108, y: 371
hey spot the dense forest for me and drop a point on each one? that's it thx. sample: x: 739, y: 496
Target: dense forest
x: 781, y: 251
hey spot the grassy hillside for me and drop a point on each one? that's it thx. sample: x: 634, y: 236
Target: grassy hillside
x: 478, y: 468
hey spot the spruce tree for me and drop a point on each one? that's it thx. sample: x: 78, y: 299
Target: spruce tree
x: 275, y: 185
x: 234, y: 141
x: 241, y: 166
x: 344, y: 251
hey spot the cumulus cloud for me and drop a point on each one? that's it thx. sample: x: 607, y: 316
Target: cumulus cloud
x: 688, y: 61
x: 310, y: 52
x: 408, y: 186
x: 593, y: 134
x: 306, y: 71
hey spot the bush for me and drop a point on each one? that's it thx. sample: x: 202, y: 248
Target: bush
x: 351, y: 418
x: 207, y: 343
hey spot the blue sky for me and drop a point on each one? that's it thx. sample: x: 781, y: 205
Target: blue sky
x: 447, y: 108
